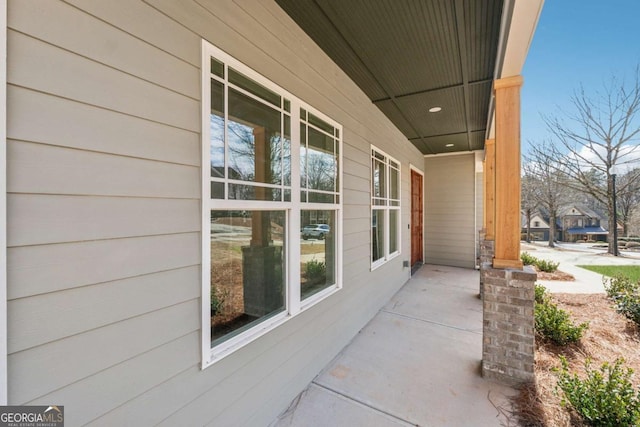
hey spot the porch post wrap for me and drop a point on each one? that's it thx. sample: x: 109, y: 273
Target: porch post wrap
x: 507, y: 174
x: 490, y: 188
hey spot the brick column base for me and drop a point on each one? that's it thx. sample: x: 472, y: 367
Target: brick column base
x: 486, y: 258
x: 508, y: 322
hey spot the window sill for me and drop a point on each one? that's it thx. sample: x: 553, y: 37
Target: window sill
x: 383, y: 261
x: 229, y: 347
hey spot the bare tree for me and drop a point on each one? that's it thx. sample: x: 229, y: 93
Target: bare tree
x: 600, y: 135
x: 628, y: 200
x: 530, y: 199
x: 548, y: 176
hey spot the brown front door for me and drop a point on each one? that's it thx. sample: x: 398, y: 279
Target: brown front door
x: 416, y: 218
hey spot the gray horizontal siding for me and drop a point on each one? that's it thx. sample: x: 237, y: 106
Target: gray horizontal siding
x: 37, y: 269
x: 56, y: 71
x: 45, y: 169
x: 105, y: 44
x: 77, y: 357
x: 449, y: 220
x: 104, y: 211
x: 49, y: 317
x: 99, y: 393
x: 41, y: 219
x: 42, y: 118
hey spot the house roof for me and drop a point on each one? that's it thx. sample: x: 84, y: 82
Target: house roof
x: 583, y: 210
x: 587, y: 230
x: 411, y: 56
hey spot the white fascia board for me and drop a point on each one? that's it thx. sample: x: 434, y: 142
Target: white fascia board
x: 516, y: 35
x: 455, y: 153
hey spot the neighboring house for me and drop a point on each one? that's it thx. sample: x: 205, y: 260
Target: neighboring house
x: 539, y: 227
x: 580, y: 223
x: 162, y: 155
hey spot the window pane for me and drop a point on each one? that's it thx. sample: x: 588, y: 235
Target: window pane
x: 319, y: 123
x: 303, y: 155
x: 377, y: 234
x: 217, y: 190
x: 217, y: 68
x: 247, y: 270
x: 378, y: 179
x: 286, y: 152
x: 255, y: 140
x: 317, y: 251
x: 394, y: 184
x: 321, y: 197
x: 254, y: 192
x: 255, y: 88
x: 321, y: 165
x: 216, y: 126
x: 393, y: 230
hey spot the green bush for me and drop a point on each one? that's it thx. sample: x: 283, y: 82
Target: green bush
x: 619, y: 285
x: 555, y: 324
x: 547, y: 266
x: 626, y: 294
x: 541, y: 294
x: 218, y: 299
x: 629, y: 305
x: 527, y: 258
x: 315, y: 271
x: 606, y: 397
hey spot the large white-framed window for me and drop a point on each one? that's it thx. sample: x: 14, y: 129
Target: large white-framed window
x: 271, y: 205
x: 385, y: 207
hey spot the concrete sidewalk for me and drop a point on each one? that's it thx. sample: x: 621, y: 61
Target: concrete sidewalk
x: 417, y: 362
x: 570, y: 256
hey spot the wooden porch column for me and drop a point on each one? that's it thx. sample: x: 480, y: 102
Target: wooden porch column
x: 507, y: 174
x: 490, y: 188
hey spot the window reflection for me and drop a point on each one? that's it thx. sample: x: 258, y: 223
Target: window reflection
x: 393, y: 230
x: 379, y: 179
x: 318, y: 161
x: 377, y: 235
x: 258, y: 138
x: 216, y: 125
x: 247, y: 270
x: 317, y: 251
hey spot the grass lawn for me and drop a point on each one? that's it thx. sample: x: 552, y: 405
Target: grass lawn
x: 631, y: 271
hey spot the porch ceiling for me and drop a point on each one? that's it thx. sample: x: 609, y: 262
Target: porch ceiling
x: 411, y: 55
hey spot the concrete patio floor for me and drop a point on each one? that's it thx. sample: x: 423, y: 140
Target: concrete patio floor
x: 417, y: 362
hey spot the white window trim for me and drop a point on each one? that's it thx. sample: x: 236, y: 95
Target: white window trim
x: 3, y: 203
x: 293, y: 305
x: 386, y: 208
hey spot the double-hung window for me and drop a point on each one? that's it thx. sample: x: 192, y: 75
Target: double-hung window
x: 271, y: 205
x: 385, y: 207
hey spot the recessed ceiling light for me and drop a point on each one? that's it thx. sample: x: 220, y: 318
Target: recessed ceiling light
x: 435, y: 109
x: 449, y: 145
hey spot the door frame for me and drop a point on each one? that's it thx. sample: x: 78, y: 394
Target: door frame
x: 419, y: 172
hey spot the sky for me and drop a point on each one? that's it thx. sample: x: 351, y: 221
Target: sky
x: 576, y: 42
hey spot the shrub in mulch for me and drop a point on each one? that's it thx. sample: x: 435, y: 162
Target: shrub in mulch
x: 605, y: 397
x: 609, y: 337
x: 540, y: 264
x: 553, y: 323
x: 626, y: 295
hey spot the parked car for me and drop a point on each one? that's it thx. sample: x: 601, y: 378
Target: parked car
x: 315, y: 231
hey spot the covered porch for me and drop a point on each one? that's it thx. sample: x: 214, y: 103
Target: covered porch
x: 417, y: 362
x: 447, y: 75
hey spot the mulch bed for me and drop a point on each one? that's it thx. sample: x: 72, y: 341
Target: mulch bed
x: 610, y: 336
x: 556, y: 275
